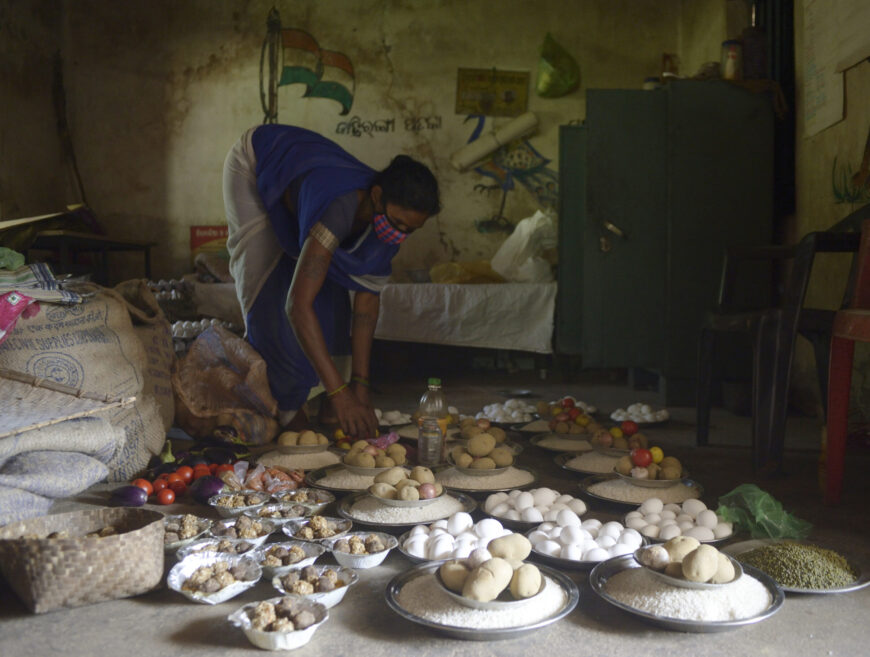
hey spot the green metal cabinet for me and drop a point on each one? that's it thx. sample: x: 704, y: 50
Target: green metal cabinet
x: 653, y: 187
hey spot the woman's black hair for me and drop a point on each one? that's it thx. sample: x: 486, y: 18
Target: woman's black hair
x: 409, y: 184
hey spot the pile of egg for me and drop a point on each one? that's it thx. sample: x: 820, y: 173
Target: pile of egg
x: 454, y: 538
x: 513, y: 410
x: 392, y: 418
x: 190, y: 329
x: 536, y: 505
x: 663, y: 522
x: 589, y: 540
x: 639, y: 413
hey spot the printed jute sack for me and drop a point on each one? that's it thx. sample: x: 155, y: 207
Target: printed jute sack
x: 92, y: 346
x: 155, y: 333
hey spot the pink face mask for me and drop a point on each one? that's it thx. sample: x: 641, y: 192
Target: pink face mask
x: 385, y: 231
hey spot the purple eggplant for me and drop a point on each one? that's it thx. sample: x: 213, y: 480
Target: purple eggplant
x: 205, y: 487
x: 128, y: 496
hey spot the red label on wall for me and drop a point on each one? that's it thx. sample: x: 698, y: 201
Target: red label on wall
x: 210, y: 239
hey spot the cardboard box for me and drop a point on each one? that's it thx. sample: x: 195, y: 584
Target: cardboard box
x: 208, y: 239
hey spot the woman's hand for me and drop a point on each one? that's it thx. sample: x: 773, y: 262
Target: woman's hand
x: 357, y: 418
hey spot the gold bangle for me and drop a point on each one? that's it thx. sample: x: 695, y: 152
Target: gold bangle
x: 361, y: 380
x: 336, y: 391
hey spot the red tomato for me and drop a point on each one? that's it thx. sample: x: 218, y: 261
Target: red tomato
x: 144, y: 484
x: 159, y: 484
x: 201, y: 471
x: 174, y: 477
x: 573, y: 413
x: 178, y: 487
x: 629, y: 428
x: 212, y: 467
x: 641, y: 457
x: 186, y: 473
x: 166, y: 496
x: 223, y: 468
x: 567, y: 402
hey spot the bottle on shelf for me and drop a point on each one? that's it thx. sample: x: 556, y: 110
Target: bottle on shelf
x: 432, y: 445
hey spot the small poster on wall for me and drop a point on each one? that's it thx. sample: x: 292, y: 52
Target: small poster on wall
x: 491, y: 92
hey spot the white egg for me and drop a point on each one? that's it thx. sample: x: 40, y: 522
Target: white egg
x: 652, y: 505
x: 667, y: 521
x: 461, y: 551
x: 596, y: 554
x: 531, y: 515
x: 564, y: 498
x: 611, y: 528
x: 442, y: 524
x: 636, y: 523
x: 438, y: 531
x: 505, y: 532
x: 701, y: 533
x: 513, y: 514
x: 605, y: 541
x: 416, y: 547
x: 685, y: 525
x: 667, y: 515
x: 591, y: 523
x: 669, y: 531
x: 685, y: 517
x: 707, y: 518
x: 516, y: 492
x: 551, y: 515
x: 619, y: 549
x: 631, y: 535
x: 556, y: 532
x: 573, y: 552
x: 459, y: 522
x: 537, y: 536
x: 524, y: 501
x: 501, y: 509
x: 577, y: 506
x: 477, y: 557
x: 571, y: 535
x: 541, y: 509
x: 693, y: 507
x: 567, y: 518
x: 419, y: 530
x: 494, y: 500
x: 723, y: 529
x: 633, y: 514
x: 650, y: 531
x: 546, y: 526
x: 558, y: 506
x: 487, y: 528
x: 550, y: 548
x: 652, y: 519
x: 676, y: 508
x: 439, y: 548
x: 467, y: 535
x: 645, y: 408
x: 544, y: 496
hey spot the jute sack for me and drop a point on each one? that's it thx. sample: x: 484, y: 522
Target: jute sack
x: 92, y: 346
x: 155, y: 333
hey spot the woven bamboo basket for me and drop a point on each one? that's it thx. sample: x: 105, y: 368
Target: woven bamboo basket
x: 53, y: 573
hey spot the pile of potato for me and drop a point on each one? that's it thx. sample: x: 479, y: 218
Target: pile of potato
x: 668, y: 468
x: 487, y: 572
x: 686, y: 558
x: 398, y: 484
x: 482, y: 452
x: 602, y: 437
x: 365, y: 455
x: 308, y: 437
x: 469, y: 428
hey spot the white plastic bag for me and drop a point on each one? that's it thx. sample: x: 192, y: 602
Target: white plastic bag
x: 518, y: 259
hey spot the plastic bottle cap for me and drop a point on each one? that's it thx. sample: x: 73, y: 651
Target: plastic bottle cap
x: 434, y: 382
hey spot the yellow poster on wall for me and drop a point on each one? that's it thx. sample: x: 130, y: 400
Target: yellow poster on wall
x: 491, y: 92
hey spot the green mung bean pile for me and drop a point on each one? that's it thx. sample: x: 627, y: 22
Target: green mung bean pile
x: 801, y: 566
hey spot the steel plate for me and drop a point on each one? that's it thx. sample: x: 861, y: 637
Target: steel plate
x: 344, y: 506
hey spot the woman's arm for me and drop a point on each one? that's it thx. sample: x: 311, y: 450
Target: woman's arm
x: 365, y: 318
x: 355, y: 417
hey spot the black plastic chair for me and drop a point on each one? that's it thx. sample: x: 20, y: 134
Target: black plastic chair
x: 773, y: 331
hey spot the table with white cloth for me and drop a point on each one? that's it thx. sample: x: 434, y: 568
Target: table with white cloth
x: 515, y: 316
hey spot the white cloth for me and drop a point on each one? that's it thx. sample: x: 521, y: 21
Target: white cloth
x: 516, y: 316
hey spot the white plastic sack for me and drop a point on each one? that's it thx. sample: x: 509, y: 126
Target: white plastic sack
x: 518, y: 259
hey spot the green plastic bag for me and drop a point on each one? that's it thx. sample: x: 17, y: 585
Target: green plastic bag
x: 754, y: 511
x: 558, y: 71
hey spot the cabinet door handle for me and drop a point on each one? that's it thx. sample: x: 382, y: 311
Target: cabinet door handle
x: 616, y: 230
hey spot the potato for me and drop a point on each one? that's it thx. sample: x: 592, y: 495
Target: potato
x: 467, y: 422
x: 620, y: 442
x: 601, y: 437
x: 513, y: 548
x: 624, y: 465
x: 543, y: 408
x: 439, y: 489
x: 464, y: 460
x: 670, y: 460
x: 640, y: 440
x: 526, y: 581
x: 483, y: 463
x: 364, y: 460
x: 386, y: 491
x: 481, y: 444
x: 359, y: 445
x: 289, y: 438
x: 701, y: 564
x: 724, y: 572
x: 407, y: 482
x: 322, y: 440
x: 422, y: 474
x: 409, y: 493
x: 653, y: 471
x: 384, y: 461
x: 392, y: 476
x: 575, y: 428
x: 457, y: 451
x: 561, y: 427
x: 501, y: 570
x: 453, y: 574
x: 307, y: 438
x: 497, y: 433
x: 481, y: 585
x: 674, y: 569
x: 670, y: 472
x: 470, y: 432
x: 502, y: 455
x: 680, y: 546
x: 395, y: 450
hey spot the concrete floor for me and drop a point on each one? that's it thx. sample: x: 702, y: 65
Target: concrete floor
x: 163, y: 622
